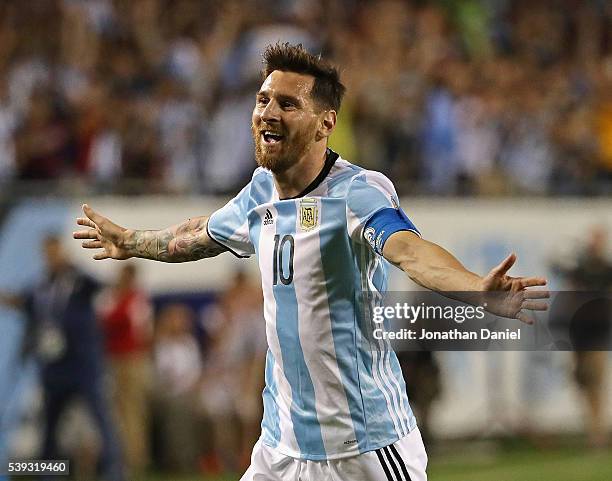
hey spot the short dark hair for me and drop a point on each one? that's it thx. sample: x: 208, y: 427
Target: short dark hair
x: 327, y: 90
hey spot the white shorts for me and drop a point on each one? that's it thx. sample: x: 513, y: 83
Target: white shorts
x: 404, y: 460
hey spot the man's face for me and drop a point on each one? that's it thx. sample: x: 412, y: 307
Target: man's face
x: 54, y: 255
x: 285, y: 120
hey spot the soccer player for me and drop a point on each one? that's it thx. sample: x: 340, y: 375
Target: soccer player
x: 324, y: 232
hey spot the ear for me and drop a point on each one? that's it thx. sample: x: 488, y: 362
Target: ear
x: 327, y: 123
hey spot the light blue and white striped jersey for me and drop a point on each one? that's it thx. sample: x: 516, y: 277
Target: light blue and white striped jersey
x: 330, y: 392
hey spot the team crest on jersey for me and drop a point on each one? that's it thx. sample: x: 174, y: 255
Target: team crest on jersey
x: 309, y: 213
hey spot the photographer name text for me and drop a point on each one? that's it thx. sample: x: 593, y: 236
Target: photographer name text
x: 450, y: 335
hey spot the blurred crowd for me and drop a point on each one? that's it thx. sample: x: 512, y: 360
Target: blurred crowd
x: 447, y: 97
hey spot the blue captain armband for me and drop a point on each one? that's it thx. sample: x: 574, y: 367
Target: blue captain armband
x: 383, y: 224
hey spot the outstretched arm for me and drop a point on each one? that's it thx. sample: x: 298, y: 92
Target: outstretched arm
x: 184, y: 242
x: 433, y: 267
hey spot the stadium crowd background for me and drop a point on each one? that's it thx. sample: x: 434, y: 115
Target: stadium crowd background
x: 446, y: 97
x: 140, y: 97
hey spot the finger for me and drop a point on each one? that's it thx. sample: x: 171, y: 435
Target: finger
x: 92, y: 214
x: 95, y: 244
x: 532, y: 281
x: 526, y: 318
x: 535, y: 305
x: 504, y: 266
x: 86, y: 222
x: 85, y: 234
x: 101, y: 256
x: 536, y: 294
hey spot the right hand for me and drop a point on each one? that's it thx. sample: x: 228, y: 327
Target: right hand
x: 103, y: 234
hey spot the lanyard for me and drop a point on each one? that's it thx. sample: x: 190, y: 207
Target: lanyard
x: 52, y: 297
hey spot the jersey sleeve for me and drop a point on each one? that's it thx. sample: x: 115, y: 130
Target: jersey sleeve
x: 229, y: 225
x: 373, y: 210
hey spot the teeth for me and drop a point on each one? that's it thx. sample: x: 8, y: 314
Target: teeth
x: 271, y: 137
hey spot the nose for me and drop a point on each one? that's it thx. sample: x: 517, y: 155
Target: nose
x: 271, y: 112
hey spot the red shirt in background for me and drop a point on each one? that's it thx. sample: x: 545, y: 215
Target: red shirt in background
x: 126, y: 318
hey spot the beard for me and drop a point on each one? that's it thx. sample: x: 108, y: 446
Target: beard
x: 291, y: 150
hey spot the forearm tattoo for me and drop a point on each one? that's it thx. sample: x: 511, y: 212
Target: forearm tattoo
x: 188, y: 241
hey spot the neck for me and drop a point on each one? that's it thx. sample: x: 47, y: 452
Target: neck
x: 57, y: 270
x: 295, y: 179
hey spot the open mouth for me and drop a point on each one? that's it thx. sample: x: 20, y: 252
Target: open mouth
x: 271, y: 137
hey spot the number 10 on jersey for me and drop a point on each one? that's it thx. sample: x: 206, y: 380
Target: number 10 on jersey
x: 278, y: 264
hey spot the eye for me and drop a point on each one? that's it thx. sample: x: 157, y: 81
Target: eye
x: 288, y: 105
x: 262, y: 100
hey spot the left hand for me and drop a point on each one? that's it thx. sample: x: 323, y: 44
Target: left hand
x: 513, y: 294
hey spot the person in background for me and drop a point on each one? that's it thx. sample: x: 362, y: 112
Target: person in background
x: 232, y: 378
x: 422, y: 374
x: 43, y: 142
x: 178, y: 366
x: 64, y: 334
x: 125, y: 314
x: 590, y: 326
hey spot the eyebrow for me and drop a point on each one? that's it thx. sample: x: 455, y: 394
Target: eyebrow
x: 280, y: 97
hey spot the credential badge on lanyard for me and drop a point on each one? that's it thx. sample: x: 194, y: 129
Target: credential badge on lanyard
x: 51, y: 306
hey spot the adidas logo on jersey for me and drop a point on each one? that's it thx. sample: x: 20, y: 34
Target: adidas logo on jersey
x: 268, y: 218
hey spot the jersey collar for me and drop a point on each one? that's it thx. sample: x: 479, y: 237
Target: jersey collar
x: 330, y: 160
